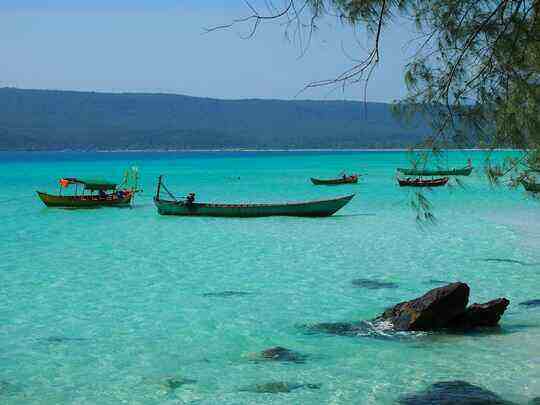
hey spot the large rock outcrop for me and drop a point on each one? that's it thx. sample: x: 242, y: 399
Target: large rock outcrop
x: 433, y: 310
x: 481, y: 315
x: 444, y: 308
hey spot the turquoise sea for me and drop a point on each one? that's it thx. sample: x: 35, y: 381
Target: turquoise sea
x: 112, y: 306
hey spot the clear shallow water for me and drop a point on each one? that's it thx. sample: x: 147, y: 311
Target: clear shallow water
x: 102, y: 306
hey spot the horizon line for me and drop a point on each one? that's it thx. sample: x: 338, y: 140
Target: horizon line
x: 167, y: 93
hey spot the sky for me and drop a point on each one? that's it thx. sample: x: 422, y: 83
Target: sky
x: 161, y: 46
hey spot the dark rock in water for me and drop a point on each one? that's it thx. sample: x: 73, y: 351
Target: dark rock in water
x: 225, y: 294
x: 7, y: 388
x: 453, y: 393
x: 444, y: 308
x: 433, y: 310
x: 373, y: 284
x: 535, y: 401
x: 335, y: 328
x: 174, y: 383
x: 63, y: 339
x: 377, y: 329
x: 279, y: 353
x: 531, y: 303
x: 278, y: 387
x: 481, y: 315
x: 512, y: 261
x: 440, y: 308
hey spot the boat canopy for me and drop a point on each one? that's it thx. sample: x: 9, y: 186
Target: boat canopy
x: 89, y: 184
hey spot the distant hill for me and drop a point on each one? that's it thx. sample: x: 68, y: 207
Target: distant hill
x: 58, y: 120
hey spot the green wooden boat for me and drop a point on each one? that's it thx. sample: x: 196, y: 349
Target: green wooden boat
x: 188, y: 207
x: 465, y: 171
x: 531, y: 186
x: 334, y: 182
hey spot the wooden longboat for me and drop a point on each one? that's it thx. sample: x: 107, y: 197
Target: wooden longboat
x: 320, y: 208
x: 465, y: 171
x: 85, y: 201
x: 109, y: 194
x: 530, y: 186
x: 334, y: 182
x: 423, y: 182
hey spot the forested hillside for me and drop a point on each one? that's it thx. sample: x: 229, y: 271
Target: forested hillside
x: 57, y: 120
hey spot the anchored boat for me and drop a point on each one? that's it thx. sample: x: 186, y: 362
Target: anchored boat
x: 188, y: 207
x: 334, y: 182
x: 465, y: 171
x: 423, y: 182
x: 93, y: 193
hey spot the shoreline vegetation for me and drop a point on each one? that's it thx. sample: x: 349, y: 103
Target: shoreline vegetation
x: 218, y: 150
x: 71, y: 120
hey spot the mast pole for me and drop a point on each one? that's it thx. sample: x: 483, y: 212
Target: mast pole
x: 158, y: 187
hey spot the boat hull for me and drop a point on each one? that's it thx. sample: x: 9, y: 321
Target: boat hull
x: 466, y: 171
x: 65, y: 201
x: 335, y: 182
x: 423, y: 183
x: 321, y: 208
x: 530, y: 186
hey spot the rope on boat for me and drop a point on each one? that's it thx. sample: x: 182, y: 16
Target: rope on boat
x: 168, y: 192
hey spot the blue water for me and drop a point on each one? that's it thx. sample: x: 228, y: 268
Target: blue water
x: 104, y: 306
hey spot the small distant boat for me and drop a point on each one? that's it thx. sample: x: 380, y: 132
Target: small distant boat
x: 188, y: 207
x: 334, y: 182
x: 465, y: 171
x: 530, y: 186
x: 423, y: 182
x: 94, y: 193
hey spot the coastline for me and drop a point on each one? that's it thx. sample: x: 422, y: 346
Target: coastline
x: 270, y: 150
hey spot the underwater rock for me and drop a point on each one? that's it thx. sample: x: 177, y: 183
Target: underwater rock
x: 373, y: 284
x: 433, y: 310
x: 453, y: 393
x: 170, y: 383
x: 481, y: 315
x: 225, y: 294
x: 335, y: 328
x: 63, y: 339
x: 173, y: 383
x: 535, y: 401
x: 279, y: 353
x: 378, y: 329
x: 7, y: 388
x: 278, y: 387
x: 531, y: 303
x: 511, y: 261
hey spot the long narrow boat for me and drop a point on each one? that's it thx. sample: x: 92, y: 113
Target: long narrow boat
x: 531, y: 186
x: 108, y: 194
x: 423, y: 182
x: 334, y: 182
x: 465, y: 171
x: 86, y: 201
x: 188, y: 207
